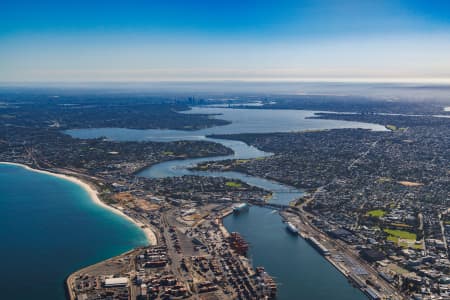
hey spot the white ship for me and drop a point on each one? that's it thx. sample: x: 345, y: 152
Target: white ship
x: 240, y: 207
x: 291, y: 228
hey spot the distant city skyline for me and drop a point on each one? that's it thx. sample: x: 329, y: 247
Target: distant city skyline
x: 305, y: 40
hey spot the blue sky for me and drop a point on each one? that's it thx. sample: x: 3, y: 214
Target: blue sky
x: 380, y: 40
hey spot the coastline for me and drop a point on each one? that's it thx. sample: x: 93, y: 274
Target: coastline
x: 69, y: 280
x: 93, y: 195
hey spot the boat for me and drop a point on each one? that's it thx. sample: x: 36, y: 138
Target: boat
x: 266, y: 285
x: 240, y: 208
x: 318, y: 246
x: 238, y: 243
x: 291, y: 228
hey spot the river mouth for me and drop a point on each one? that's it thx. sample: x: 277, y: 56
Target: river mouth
x: 297, y: 267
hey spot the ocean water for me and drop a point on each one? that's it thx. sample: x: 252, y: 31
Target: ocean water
x: 49, y: 228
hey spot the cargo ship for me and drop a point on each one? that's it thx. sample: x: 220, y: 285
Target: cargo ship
x: 291, y: 228
x: 238, y: 244
x: 267, y: 287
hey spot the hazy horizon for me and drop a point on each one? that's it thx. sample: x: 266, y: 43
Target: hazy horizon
x: 375, y: 91
x: 365, y: 41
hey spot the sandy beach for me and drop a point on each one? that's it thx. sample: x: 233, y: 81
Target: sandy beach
x: 93, y: 194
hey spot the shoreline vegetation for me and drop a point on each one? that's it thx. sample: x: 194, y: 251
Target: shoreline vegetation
x: 93, y: 195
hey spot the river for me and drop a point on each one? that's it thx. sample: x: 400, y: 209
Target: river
x: 299, y: 270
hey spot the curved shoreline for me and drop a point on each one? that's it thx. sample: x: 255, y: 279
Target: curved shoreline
x: 93, y: 195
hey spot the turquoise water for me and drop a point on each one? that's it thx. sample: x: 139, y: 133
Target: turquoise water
x: 49, y: 228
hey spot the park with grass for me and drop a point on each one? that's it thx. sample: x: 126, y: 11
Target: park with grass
x: 403, y: 238
x: 233, y: 184
x: 376, y: 213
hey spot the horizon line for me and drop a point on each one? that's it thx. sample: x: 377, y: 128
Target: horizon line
x: 368, y: 80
